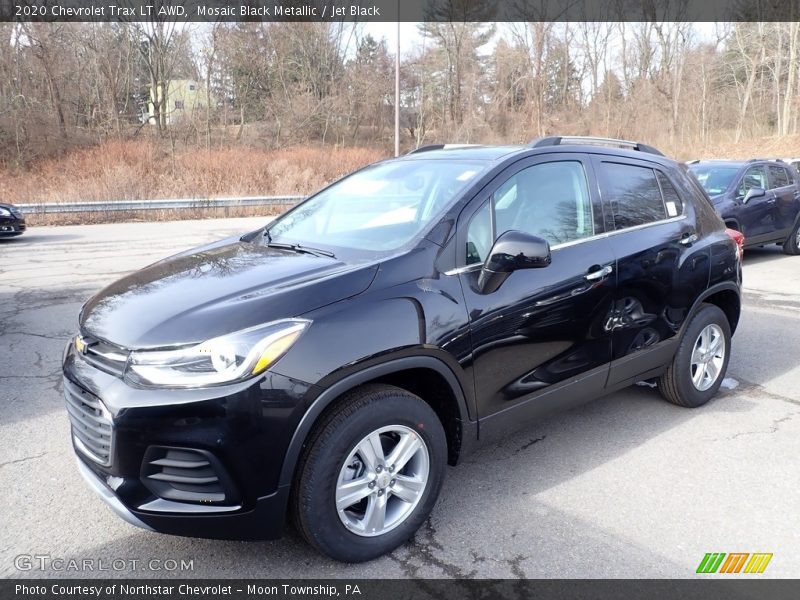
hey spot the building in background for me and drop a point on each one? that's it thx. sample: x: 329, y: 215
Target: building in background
x: 184, y: 97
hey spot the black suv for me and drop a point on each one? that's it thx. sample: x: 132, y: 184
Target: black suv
x: 12, y: 221
x: 760, y: 198
x: 331, y: 364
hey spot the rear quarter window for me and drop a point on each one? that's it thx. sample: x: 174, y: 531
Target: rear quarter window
x: 672, y: 201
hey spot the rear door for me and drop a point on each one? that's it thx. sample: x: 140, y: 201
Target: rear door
x: 785, y: 198
x: 662, y: 264
x: 543, y: 328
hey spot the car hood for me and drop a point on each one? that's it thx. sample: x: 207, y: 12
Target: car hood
x: 717, y: 198
x: 216, y: 290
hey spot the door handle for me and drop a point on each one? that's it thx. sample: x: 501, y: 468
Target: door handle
x: 688, y: 239
x: 771, y: 200
x: 599, y: 273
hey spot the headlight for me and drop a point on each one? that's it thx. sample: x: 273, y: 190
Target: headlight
x: 221, y: 360
x: 4, y: 212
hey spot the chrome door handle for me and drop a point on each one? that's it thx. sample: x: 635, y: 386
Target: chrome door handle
x: 599, y: 274
x: 688, y: 240
x: 772, y: 200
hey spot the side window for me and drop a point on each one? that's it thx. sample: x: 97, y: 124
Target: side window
x: 549, y: 200
x: 777, y: 177
x: 635, y: 195
x: 753, y: 177
x: 672, y: 202
x: 789, y: 176
x: 479, y: 235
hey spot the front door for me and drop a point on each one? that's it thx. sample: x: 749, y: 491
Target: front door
x: 756, y: 217
x: 543, y: 329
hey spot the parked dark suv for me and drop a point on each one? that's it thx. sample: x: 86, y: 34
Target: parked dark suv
x: 12, y: 221
x: 331, y: 364
x: 760, y: 198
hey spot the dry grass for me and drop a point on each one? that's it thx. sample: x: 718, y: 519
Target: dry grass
x: 139, y: 216
x: 135, y: 170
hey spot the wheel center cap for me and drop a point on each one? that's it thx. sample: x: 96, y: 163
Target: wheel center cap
x: 382, y: 479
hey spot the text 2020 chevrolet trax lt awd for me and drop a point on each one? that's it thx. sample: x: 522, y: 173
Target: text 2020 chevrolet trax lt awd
x: 328, y: 366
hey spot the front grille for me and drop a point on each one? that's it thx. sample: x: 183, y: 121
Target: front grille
x: 92, y: 429
x: 104, y: 356
x: 186, y: 475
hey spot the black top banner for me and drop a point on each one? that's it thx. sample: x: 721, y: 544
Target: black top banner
x: 399, y: 10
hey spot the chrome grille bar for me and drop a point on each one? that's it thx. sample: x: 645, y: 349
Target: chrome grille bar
x: 92, y: 428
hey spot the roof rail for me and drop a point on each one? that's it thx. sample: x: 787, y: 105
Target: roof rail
x: 599, y: 141
x: 759, y: 160
x: 427, y: 148
x: 430, y: 147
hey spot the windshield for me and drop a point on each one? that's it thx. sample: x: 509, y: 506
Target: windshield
x: 380, y: 208
x: 716, y: 179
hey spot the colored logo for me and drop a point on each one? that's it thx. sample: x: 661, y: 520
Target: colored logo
x: 735, y: 562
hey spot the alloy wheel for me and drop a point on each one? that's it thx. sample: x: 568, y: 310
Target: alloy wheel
x: 708, y: 356
x: 382, y: 480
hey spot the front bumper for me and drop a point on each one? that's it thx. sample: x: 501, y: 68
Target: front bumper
x: 238, y: 434
x: 107, y: 495
x: 9, y: 227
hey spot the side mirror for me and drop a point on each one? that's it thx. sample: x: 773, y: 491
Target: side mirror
x: 511, y: 251
x: 754, y: 192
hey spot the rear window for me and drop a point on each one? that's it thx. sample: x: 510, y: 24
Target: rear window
x: 635, y: 195
x: 778, y: 177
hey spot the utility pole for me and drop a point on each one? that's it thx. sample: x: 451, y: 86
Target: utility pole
x: 397, y: 88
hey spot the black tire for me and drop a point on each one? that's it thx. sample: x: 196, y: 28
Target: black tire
x: 792, y: 244
x: 356, y: 416
x: 676, y: 384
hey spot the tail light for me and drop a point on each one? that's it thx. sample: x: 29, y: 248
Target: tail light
x: 738, y: 237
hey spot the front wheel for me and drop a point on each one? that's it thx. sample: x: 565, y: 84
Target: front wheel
x: 370, y: 475
x: 792, y: 243
x: 699, y: 366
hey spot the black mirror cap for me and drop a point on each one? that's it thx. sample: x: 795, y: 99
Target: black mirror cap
x: 518, y: 250
x: 513, y: 250
x: 754, y: 192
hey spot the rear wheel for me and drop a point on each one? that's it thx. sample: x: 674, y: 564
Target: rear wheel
x: 792, y: 243
x: 700, y: 364
x: 371, y: 474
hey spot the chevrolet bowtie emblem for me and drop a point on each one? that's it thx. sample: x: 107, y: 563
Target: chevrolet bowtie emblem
x: 81, y: 345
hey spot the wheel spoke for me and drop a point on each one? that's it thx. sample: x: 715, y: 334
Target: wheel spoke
x: 407, y: 489
x: 375, y: 516
x: 712, y: 370
x: 697, y: 355
x: 371, y: 451
x: 405, y: 449
x: 717, y: 345
x: 352, y: 492
x: 706, y: 339
x: 700, y: 372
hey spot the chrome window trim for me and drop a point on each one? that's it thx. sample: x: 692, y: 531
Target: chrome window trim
x: 598, y: 236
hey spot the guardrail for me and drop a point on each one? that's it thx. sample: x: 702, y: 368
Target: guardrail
x: 174, y: 204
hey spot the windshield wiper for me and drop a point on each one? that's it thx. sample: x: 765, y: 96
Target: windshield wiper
x: 299, y: 248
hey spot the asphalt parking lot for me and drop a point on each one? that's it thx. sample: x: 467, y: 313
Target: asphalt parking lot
x: 628, y: 486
